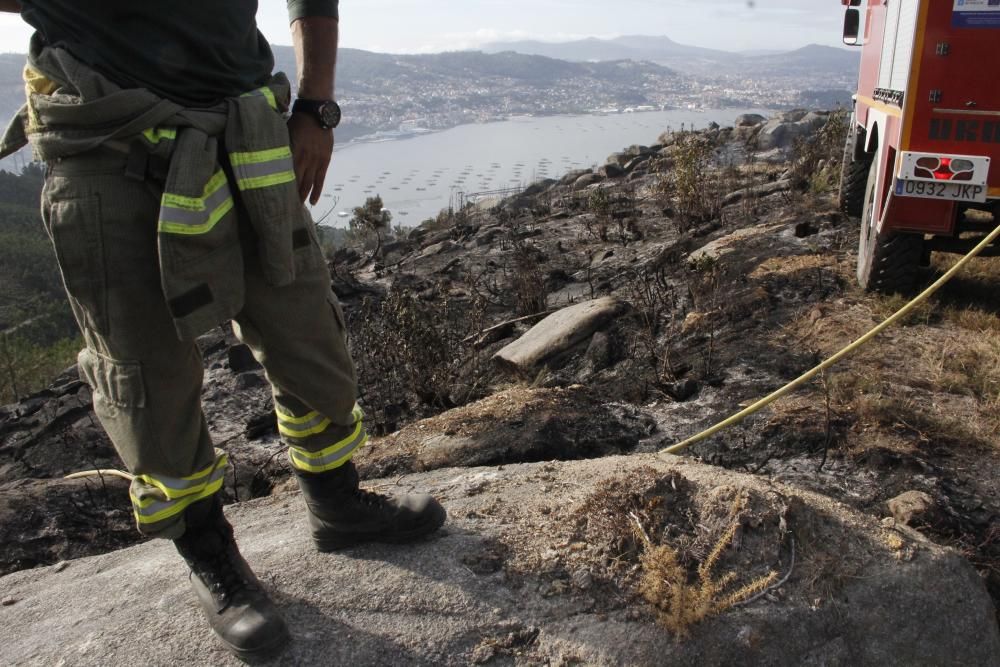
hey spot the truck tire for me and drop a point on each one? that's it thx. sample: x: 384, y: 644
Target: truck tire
x: 888, y: 262
x: 853, y: 177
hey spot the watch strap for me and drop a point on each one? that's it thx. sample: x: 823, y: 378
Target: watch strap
x: 316, y: 108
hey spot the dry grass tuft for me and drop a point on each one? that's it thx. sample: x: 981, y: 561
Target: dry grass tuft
x: 972, y: 368
x: 693, y: 559
x: 680, y: 600
x: 884, y: 306
x: 921, y: 426
x: 973, y: 319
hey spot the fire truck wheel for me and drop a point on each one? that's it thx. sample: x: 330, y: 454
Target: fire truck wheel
x: 853, y: 179
x: 887, y: 262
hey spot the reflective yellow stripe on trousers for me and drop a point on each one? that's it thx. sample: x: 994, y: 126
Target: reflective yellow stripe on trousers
x: 309, y: 428
x: 157, y: 498
x: 312, y: 423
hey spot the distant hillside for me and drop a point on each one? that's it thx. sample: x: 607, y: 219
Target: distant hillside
x: 813, y: 60
x: 364, y: 70
x: 633, y: 47
x: 437, y: 91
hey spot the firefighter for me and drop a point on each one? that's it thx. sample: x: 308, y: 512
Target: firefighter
x: 175, y: 200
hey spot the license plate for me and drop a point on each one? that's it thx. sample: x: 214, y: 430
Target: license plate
x: 945, y: 191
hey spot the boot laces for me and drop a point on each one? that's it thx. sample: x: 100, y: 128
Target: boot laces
x: 221, y: 571
x: 374, y: 500
x: 228, y: 582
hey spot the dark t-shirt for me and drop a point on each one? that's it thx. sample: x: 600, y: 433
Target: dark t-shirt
x: 192, y: 52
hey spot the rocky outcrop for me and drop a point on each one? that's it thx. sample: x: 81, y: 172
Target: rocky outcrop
x: 782, y: 130
x: 438, y: 248
x: 512, y: 426
x: 572, y: 176
x: 611, y: 170
x: 557, y: 334
x: 782, y: 185
x: 749, y: 120
x: 587, y: 180
x: 915, y: 508
x: 538, y: 564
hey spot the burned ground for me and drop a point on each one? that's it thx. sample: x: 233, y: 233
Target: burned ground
x: 736, y: 287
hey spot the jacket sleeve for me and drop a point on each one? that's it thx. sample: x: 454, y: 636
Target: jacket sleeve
x: 301, y: 8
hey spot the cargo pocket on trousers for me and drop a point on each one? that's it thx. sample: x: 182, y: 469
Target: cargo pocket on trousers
x: 115, y: 383
x: 74, y: 226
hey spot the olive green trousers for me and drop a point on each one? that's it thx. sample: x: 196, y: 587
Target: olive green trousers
x: 146, y: 383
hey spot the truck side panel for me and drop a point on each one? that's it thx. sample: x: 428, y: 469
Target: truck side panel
x: 897, y: 54
x: 872, y: 50
x: 881, y: 118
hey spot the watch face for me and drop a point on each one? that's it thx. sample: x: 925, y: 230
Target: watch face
x: 329, y: 114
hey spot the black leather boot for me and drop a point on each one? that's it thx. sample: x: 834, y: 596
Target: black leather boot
x: 341, y: 514
x: 236, y: 606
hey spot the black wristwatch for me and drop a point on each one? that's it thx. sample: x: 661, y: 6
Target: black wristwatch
x: 326, y: 112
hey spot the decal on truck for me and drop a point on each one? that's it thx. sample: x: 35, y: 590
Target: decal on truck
x: 976, y: 14
x: 987, y: 132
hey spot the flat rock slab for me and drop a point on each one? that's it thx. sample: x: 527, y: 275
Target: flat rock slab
x: 557, y: 334
x: 518, y: 425
x: 760, y: 191
x: 525, y: 572
x: 725, y: 245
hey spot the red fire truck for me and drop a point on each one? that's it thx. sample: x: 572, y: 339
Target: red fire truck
x: 925, y: 132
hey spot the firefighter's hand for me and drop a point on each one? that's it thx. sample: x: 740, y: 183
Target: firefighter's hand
x: 312, y: 148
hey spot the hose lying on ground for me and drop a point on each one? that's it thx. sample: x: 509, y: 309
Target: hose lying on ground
x: 101, y: 473
x: 795, y: 384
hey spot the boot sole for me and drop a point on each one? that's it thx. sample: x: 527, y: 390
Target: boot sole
x: 344, y: 541
x: 265, y: 652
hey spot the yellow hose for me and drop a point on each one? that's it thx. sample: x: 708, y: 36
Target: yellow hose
x: 795, y: 384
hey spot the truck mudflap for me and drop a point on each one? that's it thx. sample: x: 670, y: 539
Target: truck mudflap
x: 922, y: 216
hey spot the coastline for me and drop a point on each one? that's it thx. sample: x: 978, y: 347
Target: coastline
x: 417, y: 173
x: 381, y: 136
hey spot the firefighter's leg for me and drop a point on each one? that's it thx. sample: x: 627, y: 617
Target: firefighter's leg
x: 146, y: 387
x: 298, y: 334
x: 146, y: 383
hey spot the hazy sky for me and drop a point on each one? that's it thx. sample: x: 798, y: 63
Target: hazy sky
x: 412, y: 26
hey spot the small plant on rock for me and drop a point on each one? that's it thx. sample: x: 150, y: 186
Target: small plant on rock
x: 681, y: 601
x: 599, y: 204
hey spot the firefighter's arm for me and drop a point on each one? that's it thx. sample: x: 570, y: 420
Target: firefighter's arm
x: 13, y: 6
x: 315, y: 42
